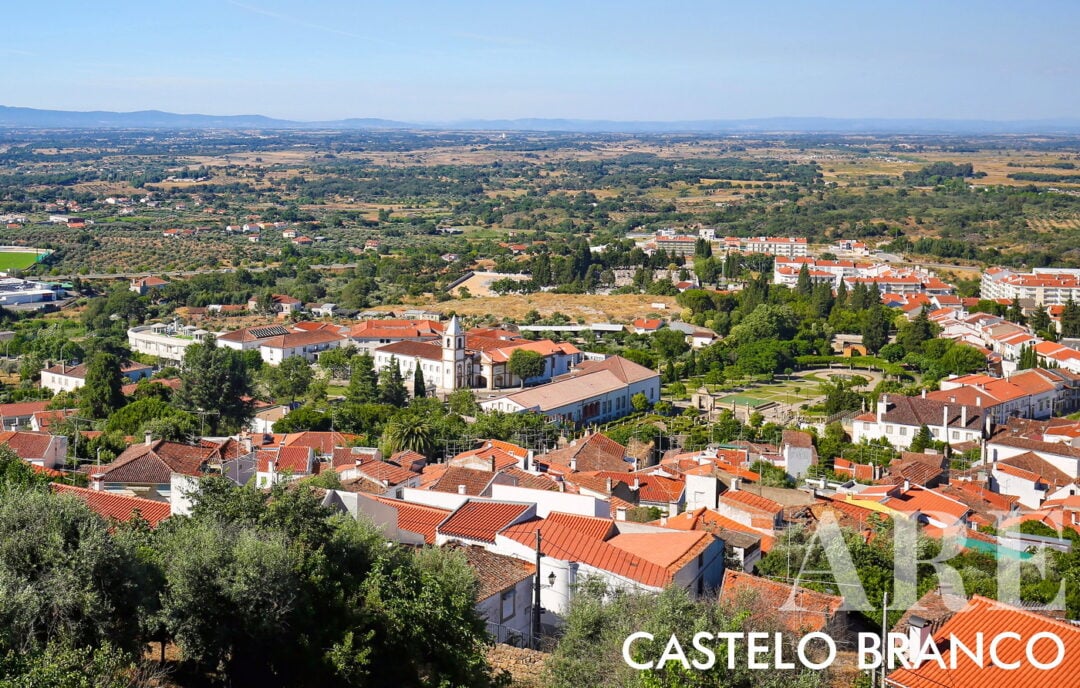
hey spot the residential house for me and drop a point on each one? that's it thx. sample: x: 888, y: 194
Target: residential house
x: 68, y: 378
x: 796, y: 609
x: 899, y: 418
x: 117, y: 507
x: 37, y: 448
x: 144, y: 285
x: 504, y: 596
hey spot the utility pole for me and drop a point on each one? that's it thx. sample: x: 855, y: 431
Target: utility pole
x: 536, y: 596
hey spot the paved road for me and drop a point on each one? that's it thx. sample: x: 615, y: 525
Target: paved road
x: 178, y: 273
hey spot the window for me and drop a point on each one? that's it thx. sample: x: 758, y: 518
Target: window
x: 955, y: 435
x: 903, y: 430
x: 507, y: 604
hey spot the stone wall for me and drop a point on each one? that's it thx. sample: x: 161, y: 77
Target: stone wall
x: 524, y: 665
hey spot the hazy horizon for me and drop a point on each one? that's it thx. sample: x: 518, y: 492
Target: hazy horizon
x: 630, y: 61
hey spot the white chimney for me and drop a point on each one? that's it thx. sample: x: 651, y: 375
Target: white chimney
x: 883, y: 406
x: 461, y: 489
x: 963, y: 416
x: 945, y: 423
x: 149, y: 438
x: 637, y: 483
x: 573, y: 464
x: 978, y: 401
x: 735, y: 484
x: 620, y: 513
x: 924, y: 393
x: 919, y: 636
x: 607, y: 485
x: 907, y: 484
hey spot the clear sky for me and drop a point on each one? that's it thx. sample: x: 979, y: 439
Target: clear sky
x: 596, y: 59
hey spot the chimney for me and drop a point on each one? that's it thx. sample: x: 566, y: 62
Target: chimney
x: 492, y: 464
x: 245, y: 442
x: 963, y: 416
x: 978, y: 401
x: 924, y: 393
x: 461, y: 489
x: 149, y: 438
x: 620, y: 513
x: 607, y: 485
x: 945, y: 423
x: 735, y: 484
x: 883, y: 406
x: 918, y: 637
x: 952, y: 399
x: 637, y: 483
x: 573, y: 464
x: 907, y: 484
x: 528, y: 460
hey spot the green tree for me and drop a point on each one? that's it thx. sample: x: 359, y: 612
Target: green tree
x: 1070, y: 319
x: 363, y: 380
x: 670, y: 344
x: 914, y: 334
x: 639, y: 402
x: 1029, y: 358
x: 1040, y: 322
x: 876, y: 328
x: 101, y: 394
x: 803, y: 286
x: 526, y: 364
x: 409, y: 431
x: 419, y: 386
x: 922, y: 440
x: 392, y: 385
x: 215, y: 382
x: 290, y: 379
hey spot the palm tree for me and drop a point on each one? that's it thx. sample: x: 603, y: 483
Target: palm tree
x: 409, y: 431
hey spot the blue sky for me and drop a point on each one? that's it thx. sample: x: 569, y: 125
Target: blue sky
x: 439, y: 61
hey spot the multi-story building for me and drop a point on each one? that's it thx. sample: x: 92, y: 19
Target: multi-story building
x: 790, y: 247
x: 1043, y: 286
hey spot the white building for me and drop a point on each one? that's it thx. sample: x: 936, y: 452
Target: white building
x: 68, y: 378
x: 1043, y: 286
x: 594, y: 392
x: 899, y: 418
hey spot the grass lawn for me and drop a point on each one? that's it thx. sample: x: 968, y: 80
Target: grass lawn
x: 16, y: 260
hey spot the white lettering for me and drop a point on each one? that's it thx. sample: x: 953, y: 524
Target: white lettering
x: 754, y: 648
x: 628, y: 658
x: 1060, y: 650
x: 1008, y: 666
x: 673, y: 652
x: 705, y: 651
x: 806, y: 661
x: 869, y: 644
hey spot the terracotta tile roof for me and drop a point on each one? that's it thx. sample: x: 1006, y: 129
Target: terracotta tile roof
x: 395, y: 329
x: 494, y: 572
x: 544, y: 347
x: 742, y: 499
x: 664, y: 549
x: 407, y: 349
x: 28, y: 445
x: 732, y: 532
x: 651, y: 488
x: 253, y: 334
x: 530, y: 480
x: 475, y: 481
x: 1030, y: 466
x: 809, y: 610
x: 991, y: 618
x: 382, y: 471
x: 916, y: 411
x: 155, y: 463
x: 322, y: 442
x: 935, y: 606
x: 596, y: 452
x: 798, y: 438
x: 476, y: 520
x: 172, y: 383
x: 928, y: 502
x: 115, y: 506
x: 22, y: 409
x: 1006, y: 439
x: 415, y: 518
x: 296, y: 460
x: 406, y: 458
x: 431, y: 474
x: 575, y: 539
x: 296, y: 339
x: 494, y: 457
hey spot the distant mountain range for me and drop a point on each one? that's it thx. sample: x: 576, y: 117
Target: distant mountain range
x: 155, y: 119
